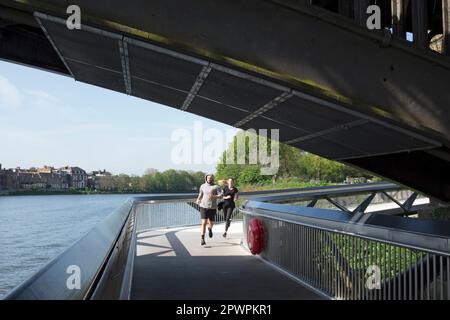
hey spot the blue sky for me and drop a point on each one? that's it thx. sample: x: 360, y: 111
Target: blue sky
x: 48, y: 119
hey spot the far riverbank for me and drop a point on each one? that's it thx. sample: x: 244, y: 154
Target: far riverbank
x: 280, y: 184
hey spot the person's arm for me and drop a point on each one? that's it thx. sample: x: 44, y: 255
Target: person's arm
x: 225, y: 194
x: 236, y: 196
x: 226, y: 197
x: 218, y: 195
x: 200, y: 196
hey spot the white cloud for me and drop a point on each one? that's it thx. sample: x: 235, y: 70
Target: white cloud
x: 40, y: 96
x: 44, y: 101
x: 10, y: 97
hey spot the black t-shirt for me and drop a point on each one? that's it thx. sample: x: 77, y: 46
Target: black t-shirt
x: 228, y: 192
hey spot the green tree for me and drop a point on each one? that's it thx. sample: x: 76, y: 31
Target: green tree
x: 251, y: 174
x: 123, y: 182
x: 294, y: 163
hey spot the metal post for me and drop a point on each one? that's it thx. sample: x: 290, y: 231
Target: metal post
x: 410, y: 275
x: 394, y: 279
x: 428, y: 276
x: 416, y: 277
x: 441, y: 274
x: 420, y: 22
x: 434, y: 278
x: 448, y: 278
x: 398, y: 18
x: 446, y: 27
x: 385, y: 277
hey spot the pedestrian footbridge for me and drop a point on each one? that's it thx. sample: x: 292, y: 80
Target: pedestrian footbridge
x: 316, y: 243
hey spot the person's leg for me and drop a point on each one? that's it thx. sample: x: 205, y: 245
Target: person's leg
x: 203, y: 225
x: 202, y: 231
x: 228, y: 211
x: 211, y: 219
x: 228, y: 214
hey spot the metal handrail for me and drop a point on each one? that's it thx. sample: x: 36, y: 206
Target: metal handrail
x: 433, y: 236
x: 335, y: 190
x: 331, y: 251
x: 90, y: 254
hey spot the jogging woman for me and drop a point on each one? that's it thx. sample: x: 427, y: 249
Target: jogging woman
x: 230, y: 195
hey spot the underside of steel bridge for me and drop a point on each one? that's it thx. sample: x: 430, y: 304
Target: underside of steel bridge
x: 312, y: 69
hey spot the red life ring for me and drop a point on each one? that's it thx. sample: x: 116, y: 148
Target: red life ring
x: 255, y: 236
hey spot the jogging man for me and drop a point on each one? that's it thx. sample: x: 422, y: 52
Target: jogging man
x: 207, y: 200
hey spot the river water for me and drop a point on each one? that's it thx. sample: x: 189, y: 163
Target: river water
x: 35, y: 229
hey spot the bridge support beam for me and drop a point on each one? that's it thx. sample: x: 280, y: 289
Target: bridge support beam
x: 420, y: 22
x: 419, y: 170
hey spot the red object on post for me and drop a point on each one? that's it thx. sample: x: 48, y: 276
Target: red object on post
x: 255, y: 236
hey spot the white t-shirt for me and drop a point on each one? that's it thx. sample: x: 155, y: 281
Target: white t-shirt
x: 206, y: 190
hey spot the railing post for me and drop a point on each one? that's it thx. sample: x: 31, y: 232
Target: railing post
x: 446, y: 27
x: 419, y: 11
x: 398, y: 18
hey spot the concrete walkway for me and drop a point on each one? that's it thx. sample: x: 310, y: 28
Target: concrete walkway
x: 171, y: 264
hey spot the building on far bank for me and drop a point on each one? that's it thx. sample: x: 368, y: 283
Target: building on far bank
x: 101, y: 180
x: 46, y: 169
x: 48, y: 178
x: 8, y: 180
x: 77, y: 177
x: 40, y: 181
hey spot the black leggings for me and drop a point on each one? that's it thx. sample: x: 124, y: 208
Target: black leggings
x: 228, y: 212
